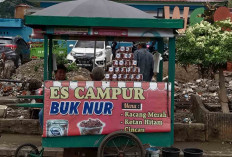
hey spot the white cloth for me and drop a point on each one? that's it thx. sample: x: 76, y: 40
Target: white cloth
x: 157, y: 57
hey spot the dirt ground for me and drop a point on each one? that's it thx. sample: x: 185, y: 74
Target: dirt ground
x: 181, y: 75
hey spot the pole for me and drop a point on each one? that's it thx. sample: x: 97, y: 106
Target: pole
x: 161, y: 51
x: 171, y: 79
x: 50, y: 59
x: 45, y: 57
x: 95, y: 45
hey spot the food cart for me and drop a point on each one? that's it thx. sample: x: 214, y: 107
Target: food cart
x: 96, y: 114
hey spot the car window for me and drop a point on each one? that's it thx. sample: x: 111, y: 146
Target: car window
x: 5, y: 41
x: 25, y: 44
x: 89, y: 44
x: 22, y: 44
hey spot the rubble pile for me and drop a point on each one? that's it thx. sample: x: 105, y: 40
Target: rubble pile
x: 12, y: 89
x: 19, y: 113
x: 29, y: 70
x: 34, y: 70
x: 205, y: 88
x: 81, y: 71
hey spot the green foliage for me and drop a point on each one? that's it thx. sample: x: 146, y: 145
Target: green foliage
x: 7, y: 8
x: 230, y: 3
x: 72, y: 67
x: 61, y: 58
x: 36, y: 68
x: 205, y: 45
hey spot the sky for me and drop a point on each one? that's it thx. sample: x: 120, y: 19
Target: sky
x: 2, y: 0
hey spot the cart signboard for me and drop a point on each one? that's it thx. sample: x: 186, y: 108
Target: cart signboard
x: 77, y: 31
x: 88, y: 107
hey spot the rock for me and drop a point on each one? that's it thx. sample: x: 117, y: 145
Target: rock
x: 228, y: 79
x: 193, y: 87
x: 189, y: 90
x: 176, y: 83
x: 212, y: 89
x: 213, y: 94
x: 230, y: 84
x: 201, y: 90
x: 214, y: 107
x: 198, y: 80
x: 165, y: 79
x: 177, y: 89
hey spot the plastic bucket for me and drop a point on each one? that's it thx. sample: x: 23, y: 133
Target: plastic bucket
x: 152, y: 152
x: 193, y: 152
x: 170, y: 152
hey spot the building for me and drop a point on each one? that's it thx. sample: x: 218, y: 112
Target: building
x: 155, y: 7
x: 14, y: 27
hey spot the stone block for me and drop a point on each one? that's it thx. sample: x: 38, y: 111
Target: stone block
x: 20, y: 126
x: 189, y: 132
x: 218, y: 125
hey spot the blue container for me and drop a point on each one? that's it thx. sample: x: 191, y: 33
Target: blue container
x: 152, y: 152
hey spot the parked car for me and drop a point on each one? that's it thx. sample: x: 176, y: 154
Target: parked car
x: 83, y: 53
x: 15, y: 49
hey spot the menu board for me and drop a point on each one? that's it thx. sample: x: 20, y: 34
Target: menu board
x: 102, y: 107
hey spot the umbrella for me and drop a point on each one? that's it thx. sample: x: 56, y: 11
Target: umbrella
x: 93, y: 8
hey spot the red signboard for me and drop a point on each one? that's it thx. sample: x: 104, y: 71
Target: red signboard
x: 85, y: 108
x: 110, y: 32
x: 76, y: 31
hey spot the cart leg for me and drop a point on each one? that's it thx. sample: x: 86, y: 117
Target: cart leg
x: 121, y: 144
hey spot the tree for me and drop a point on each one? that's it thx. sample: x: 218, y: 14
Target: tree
x: 208, y: 46
x: 230, y: 3
x: 7, y: 7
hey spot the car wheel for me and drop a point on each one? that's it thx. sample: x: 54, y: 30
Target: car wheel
x: 18, y: 62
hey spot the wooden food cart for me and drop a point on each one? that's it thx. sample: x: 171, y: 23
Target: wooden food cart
x: 107, y: 21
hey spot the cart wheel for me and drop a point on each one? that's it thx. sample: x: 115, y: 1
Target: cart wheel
x: 121, y: 144
x: 26, y: 150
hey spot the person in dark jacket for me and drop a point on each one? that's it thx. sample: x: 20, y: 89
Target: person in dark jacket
x: 113, y: 47
x: 152, y: 47
x: 145, y: 62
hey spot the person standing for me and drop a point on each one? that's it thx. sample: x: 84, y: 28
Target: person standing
x: 113, y: 47
x: 152, y: 47
x: 145, y: 62
x: 134, y: 47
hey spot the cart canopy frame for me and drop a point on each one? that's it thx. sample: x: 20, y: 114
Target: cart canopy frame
x: 48, y: 26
